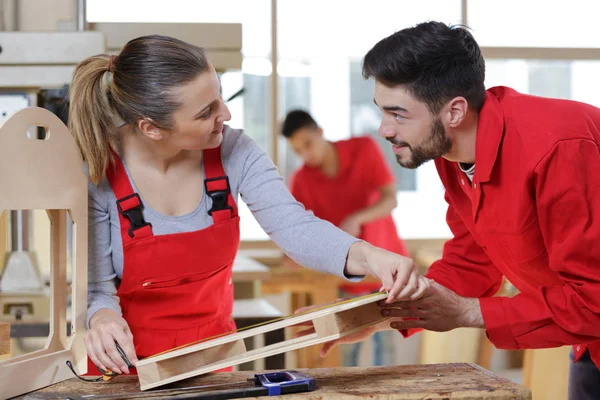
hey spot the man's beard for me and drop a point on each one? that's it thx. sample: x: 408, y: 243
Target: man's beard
x: 435, y: 145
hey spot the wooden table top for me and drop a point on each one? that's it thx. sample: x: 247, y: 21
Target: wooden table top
x: 406, y: 382
x: 246, y: 269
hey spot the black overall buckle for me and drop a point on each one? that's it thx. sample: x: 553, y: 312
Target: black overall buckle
x: 134, y: 214
x: 219, y: 197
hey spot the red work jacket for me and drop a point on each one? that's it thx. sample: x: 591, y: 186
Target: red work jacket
x: 357, y: 185
x: 532, y: 215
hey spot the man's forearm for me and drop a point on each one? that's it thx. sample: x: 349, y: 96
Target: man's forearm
x: 472, y: 316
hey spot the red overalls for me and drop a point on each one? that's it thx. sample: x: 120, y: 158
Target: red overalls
x: 176, y: 288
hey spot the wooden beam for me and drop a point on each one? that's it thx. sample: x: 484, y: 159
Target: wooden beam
x: 4, y: 338
x: 49, y: 48
x: 541, y: 53
x: 3, y: 238
x: 274, y: 87
x: 546, y: 372
x: 223, y: 36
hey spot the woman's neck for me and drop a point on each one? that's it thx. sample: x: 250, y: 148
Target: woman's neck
x: 139, y: 149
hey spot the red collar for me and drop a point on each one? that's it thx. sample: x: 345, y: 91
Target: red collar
x: 490, y: 130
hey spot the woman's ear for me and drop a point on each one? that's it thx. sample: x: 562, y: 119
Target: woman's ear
x: 150, y: 130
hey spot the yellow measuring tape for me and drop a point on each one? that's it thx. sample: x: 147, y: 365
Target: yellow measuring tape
x: 268, y: 322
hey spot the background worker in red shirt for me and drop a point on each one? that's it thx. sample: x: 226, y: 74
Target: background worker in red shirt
x: 522, y: 180
x: 349, y: 184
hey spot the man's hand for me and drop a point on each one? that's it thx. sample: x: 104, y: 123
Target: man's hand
x: 438, y: 309
x: 352, y: 225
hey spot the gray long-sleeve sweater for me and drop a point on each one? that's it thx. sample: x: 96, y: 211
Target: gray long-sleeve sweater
x: 310, y: 241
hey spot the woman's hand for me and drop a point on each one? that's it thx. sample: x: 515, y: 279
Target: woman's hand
x: 106, y: 327
x: 399, y: 275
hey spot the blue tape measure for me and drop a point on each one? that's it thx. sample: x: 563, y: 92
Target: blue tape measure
x: 278, y: 383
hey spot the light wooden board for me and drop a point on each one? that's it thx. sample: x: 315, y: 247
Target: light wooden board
x: 403, y: 382
x: 3, y: 238
x: 48, y: 175
x: 222, y: 36
x: 222, y: 41
x: 331, y: 322
x: 49, y: 48
x: 546, y: 372
x: 4, y: 338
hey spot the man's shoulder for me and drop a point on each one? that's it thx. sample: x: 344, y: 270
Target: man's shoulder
x: 546, y: 118
x: 533, y: 125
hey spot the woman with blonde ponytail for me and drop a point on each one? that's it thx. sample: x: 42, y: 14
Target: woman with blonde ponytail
x: 165, y: 174
x: 91, y: 113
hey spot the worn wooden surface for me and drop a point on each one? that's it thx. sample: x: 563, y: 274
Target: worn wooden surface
x: 433, y: 381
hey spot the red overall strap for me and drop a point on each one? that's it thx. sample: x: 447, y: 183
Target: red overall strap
x: 129, y: 204
x: 216, y: 185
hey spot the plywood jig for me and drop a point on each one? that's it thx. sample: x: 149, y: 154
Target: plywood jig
x: 48, y: 174
x: 330, y: 322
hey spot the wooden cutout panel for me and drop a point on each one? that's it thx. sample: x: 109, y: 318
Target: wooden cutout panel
x: 4, y: 338
x: 48, y: 174
x: 331, y: 322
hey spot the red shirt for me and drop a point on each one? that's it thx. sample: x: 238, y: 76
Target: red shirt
x: 532, y: 214
x: 362, y: 172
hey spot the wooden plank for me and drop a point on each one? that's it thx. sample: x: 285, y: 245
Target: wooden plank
x: 3, y: 239
x: 222, y: 36
x: 224, y: 60
x: 541, y: 53
x: 51, y: 177
x: 457, y: 345
x: 406, y: 382
x: 289, y: 321
x: 546, y: 372
x: 35, y: 76
x: 151, y: 374
x: 4, y: 338
x: 49, y: 48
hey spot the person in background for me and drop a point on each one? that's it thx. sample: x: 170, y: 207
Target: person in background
x: 349, y: 184
x: 165, y: 172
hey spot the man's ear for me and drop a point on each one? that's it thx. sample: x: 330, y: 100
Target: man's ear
x: 320, y: 131
x: 150, y: 130
x: 455, y: 112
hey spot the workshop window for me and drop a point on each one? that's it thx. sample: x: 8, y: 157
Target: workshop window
x: 535, y: 23
x: 566, y: 79
x: 365, y: 118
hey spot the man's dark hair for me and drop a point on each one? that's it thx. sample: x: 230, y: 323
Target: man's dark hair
x: 296, y: 120
x: 435, y: 62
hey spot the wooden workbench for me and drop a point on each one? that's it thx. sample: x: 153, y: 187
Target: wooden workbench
x: 434, y: 381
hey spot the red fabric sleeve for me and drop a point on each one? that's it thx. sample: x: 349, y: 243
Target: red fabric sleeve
x: 567, y: 190
x: 464, y: 266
